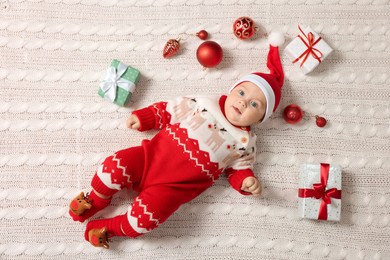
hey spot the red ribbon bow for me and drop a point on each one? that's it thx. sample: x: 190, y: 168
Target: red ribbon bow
x: 319, y: 192
x: 310, y: 50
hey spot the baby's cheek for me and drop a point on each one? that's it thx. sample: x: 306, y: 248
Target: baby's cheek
x: 261, y: 112
x: 253, y: 117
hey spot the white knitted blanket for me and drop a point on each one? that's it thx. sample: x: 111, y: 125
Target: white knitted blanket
x: 55, y: 130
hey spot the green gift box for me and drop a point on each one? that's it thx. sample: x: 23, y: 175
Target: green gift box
x: 119, y: 83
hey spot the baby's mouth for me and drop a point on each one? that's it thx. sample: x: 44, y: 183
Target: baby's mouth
x: 237, y: 110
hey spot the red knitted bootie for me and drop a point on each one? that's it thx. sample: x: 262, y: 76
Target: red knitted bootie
x: 83, y: 207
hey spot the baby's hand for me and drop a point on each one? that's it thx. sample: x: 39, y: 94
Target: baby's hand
x: 133, y: 122
x: 252, y: 185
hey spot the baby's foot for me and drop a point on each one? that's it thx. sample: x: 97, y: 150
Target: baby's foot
x: 80, y: 204
x: 83, y: 207
x: 98, y: 237
x: 97, y: 232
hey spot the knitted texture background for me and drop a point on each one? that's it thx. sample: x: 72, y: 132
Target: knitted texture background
x: 55, y: 130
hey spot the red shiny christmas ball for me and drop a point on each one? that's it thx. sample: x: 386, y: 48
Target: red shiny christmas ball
x: 320, y: 121
x: 209, y: 54
x: 244, y: 28
x: 202, y: 34
x: 292, y: 114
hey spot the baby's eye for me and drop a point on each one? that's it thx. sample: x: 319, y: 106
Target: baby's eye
x: 254, y: 104
x: 241, y: 92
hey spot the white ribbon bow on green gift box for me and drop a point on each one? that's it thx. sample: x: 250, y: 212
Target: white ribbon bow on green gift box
x: 113, y: 80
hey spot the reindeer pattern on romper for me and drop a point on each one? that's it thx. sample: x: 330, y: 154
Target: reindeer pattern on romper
x: 206, y: 123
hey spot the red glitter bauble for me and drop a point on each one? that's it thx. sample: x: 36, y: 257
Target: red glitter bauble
x: 244, y: 28
x: 292, y: 114
x: 209, y: 54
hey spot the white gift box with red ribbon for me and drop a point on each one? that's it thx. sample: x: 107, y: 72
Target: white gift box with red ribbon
x: 308, y: 49
x: 320, y: 191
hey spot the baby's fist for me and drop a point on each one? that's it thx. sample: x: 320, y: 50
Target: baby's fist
x: 133, y: 122
x: 251, y: 185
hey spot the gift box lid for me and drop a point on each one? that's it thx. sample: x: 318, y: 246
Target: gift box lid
x: 130, y: 74
x: 312, y: 203
x: 112, y: 90
x: 299, y: 46
x: 310, y: 174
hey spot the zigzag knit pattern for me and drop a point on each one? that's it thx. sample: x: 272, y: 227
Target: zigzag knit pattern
x: 191, y: 147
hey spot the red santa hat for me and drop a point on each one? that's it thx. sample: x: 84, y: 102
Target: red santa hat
x: 271, y: 84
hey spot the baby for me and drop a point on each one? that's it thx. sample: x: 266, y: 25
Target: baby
x: 200, y: 138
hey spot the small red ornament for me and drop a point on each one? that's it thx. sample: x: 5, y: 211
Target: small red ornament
x: 209, y: 54
x: 320, y: 121
x: 171, y: 48
x: 202, y: 34
x: 244, y: 28
x: 292, y: 114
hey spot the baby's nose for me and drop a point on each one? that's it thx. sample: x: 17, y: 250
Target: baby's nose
x: 242, y: 103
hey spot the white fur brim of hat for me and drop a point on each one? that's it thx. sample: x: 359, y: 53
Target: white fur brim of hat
x: 265, y: 87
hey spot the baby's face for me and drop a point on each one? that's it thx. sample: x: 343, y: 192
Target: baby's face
x: 245, y: 105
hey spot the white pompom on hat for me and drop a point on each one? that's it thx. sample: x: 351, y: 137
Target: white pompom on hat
x: 271, y: 84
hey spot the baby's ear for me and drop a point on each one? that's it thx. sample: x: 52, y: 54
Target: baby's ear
x: 261, y: 120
